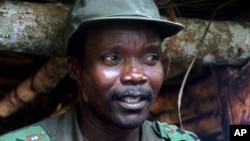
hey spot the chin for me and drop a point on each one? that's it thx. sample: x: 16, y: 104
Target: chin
x: 130, y: 123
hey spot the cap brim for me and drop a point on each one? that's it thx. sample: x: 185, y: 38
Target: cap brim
x: 166, y: 28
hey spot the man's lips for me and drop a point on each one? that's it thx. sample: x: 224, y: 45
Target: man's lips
x: 132, y: 98
x: 132, y: 102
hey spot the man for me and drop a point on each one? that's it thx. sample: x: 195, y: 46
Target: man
x: 114, y: 55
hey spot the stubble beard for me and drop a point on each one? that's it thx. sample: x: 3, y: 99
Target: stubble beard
x: 128, y: 123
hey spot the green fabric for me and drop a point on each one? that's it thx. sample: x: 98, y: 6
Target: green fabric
x: 33, y: 133
x: 66, y: 128
x: 173, y: 133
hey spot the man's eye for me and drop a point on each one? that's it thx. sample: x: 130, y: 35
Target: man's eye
x: 151, y: 59
x: 111, y: 59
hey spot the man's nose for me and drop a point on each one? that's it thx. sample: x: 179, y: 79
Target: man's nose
x: 133, y: 73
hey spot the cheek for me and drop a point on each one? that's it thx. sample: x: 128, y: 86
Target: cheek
x: 105, y: 78
x: 156, y: 78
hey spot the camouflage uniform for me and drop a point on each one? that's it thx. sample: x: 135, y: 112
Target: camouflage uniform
x: 65, y: 128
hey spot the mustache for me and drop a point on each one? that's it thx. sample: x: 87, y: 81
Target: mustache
x: 132, y: 92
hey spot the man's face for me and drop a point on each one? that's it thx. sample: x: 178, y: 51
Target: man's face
x: 122, y: 73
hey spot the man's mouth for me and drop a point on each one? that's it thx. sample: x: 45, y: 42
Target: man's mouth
x: 132, y: 98
x: 132, y: 102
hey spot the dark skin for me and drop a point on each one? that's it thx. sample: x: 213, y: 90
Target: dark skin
x: 118, y: 81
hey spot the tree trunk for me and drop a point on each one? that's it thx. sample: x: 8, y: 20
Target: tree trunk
x: 38, y: 28
x: 226, y: 42
x: 32, y: 27
x: 42, y: 82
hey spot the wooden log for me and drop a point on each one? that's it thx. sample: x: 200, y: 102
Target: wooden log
x: 32, y: 27
x: 38, y: 28
x: 226, y: 42
x: 234, y: 90
x: 42, y: 82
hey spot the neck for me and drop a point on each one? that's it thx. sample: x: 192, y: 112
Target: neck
x: 93, y: 129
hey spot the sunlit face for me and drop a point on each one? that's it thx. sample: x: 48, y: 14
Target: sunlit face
x: 122, y: 73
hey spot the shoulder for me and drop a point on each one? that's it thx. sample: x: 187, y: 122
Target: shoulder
x: 34, y: 132
x: 172, y: 132
x: 42, y: 130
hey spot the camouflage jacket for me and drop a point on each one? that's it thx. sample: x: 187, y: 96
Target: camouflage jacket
x: 65, y: 128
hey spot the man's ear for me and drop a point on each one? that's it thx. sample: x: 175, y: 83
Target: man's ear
x: 74, y: 69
